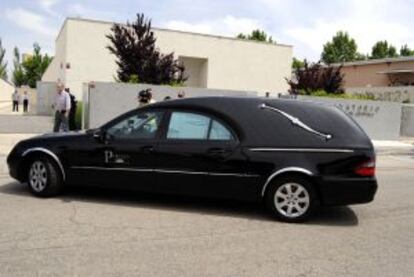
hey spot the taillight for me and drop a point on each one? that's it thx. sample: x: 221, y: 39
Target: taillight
x: 366, y: 169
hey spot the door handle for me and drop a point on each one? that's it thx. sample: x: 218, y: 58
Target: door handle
x: 147, y: 149
x: 218, y: 152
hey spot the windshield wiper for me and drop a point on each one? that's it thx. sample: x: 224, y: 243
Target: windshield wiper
x: 296, y: 121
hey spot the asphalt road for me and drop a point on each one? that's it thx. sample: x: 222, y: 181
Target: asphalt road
x: 109, y: 233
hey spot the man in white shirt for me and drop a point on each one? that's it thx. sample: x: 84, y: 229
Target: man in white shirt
x: 62, y: 108
x: 25, y: 102
x: 16, y: 100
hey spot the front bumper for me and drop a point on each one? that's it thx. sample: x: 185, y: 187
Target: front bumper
x: 13, y: 163
x: 341, y: 191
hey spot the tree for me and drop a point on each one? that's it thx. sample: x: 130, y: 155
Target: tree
x: 382, y: 50
x: 314, y: 77
x: 138, y: 58
x: 34, y: 66
x: 341, y: 49
x: 361, y: 57
x: 257, y: 35
x: 297, y: 64
x: 405, y: 51
x: 3, y: 63
x: 18, y: 77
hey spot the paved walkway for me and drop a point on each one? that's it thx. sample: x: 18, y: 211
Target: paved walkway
x: 6, y: 108
x: 23, y: 124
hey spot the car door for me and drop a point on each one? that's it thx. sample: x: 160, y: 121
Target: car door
x: 198, y: 155
x: 123, y: 155
x: 230, y: 174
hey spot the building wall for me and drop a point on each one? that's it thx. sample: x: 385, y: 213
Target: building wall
x: 196, y: 69
x: 6, y: 91
x: 56, y: 71
x: 367, y: 74
x: 231, y: 63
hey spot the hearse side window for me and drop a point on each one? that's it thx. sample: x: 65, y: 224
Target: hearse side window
x: 219, y: 132
x: 184, y: 125
x: 143, y: 125
x: 188, y: 126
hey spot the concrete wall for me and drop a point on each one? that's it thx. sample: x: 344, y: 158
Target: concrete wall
x: 407, y: 120
x: 32, y: 93
x: 380, y: 120
x: 46, y: 92
x: 393, y: 94
x: 108, y: 100
x: 230, y: 63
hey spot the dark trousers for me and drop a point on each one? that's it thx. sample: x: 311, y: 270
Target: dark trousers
x: 72, y: 122
x: 25, y: 105
x: 61, y: 122
x: 15, y: 106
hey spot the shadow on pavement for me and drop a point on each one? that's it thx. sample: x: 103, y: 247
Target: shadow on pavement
x: 332, y: 216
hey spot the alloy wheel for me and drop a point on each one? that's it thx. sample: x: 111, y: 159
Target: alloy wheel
x: 38, y: 176
x: 292, y: 200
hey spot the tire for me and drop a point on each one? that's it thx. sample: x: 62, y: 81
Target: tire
x: 43, y: 177
x: 291, y: 198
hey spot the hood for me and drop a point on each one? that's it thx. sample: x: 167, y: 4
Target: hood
x: 56, y: 137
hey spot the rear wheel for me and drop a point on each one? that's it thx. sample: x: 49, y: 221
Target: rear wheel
x: 44, y: 178
x: 291, y: 198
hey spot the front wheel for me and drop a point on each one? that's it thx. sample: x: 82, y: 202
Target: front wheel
x: 44, y: 178
x: 291, y: 198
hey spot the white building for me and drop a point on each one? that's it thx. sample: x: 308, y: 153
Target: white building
x: 6, y: 90
x: 211, y: 61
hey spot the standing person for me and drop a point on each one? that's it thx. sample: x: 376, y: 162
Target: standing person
x: 62, y: 109
x: 152, y: 100
x: 25, y: 102
x: 72, y: 112
x: 15, y: 99
x: 145, y: 97
x: 181, y: 94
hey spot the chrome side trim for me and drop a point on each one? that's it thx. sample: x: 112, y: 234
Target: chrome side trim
x: 313, y: 150
x: 162, y: 171
x: 180, y: 172
x: 113, y: 168
x: 283, y: 170
x: 204, y: 173
x: 48, y: 152
x: 296, y: 121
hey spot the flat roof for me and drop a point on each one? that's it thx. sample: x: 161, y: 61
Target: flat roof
x: 376, y: 61
x: 397, y: 71
x: 174, y: 31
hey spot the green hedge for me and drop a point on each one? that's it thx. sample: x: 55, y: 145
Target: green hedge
x: 322, y: 93
x: 78, y: 115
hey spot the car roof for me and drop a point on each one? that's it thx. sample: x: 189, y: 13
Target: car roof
x: 263, y: 127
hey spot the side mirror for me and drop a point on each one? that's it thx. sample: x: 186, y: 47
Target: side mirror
x: 99, y: 135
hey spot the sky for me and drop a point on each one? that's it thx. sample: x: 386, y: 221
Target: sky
x: 304, y: 24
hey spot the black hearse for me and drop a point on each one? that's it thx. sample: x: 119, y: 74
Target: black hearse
x: 293, y: 155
